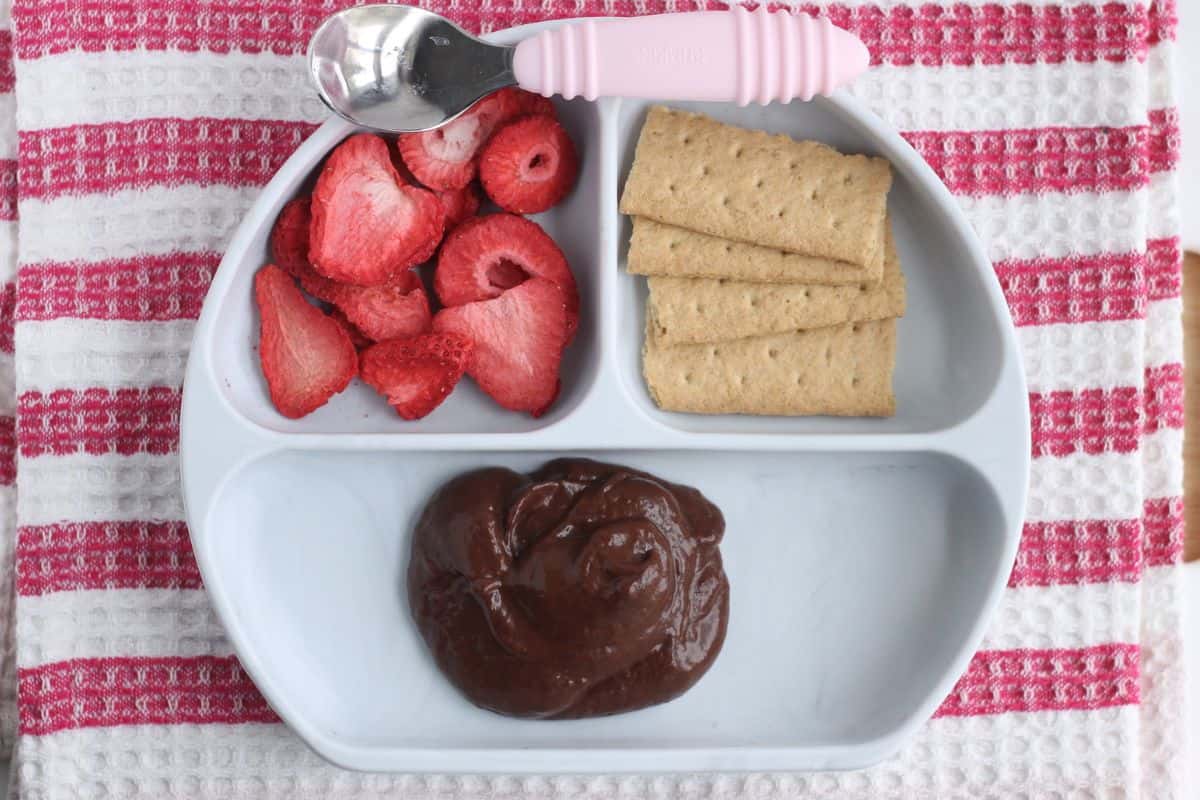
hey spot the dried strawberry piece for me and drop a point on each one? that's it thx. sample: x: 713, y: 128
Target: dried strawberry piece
x: 529, y: 165
x: 459, y: 205
x: 483, y: 257
x: 519, y: 339
x: 367, y: 225
x: 289, y: 237
x: 357, y: 337
x: 306, y: 356
x: 397, y: 308
x: 426, y: 251
x: 524, y: 102
x: 416, y: 374
x: 447, y: 157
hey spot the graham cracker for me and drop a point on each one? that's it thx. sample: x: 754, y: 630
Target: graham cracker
x: 690, y: 310
x: 665, y: 250
x: 845, y: 370
x: 804, y: 197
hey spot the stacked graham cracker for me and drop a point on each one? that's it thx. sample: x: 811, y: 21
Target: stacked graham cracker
x: 774, y: 279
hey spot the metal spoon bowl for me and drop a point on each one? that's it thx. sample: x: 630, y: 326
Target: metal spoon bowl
x: 403, y: 69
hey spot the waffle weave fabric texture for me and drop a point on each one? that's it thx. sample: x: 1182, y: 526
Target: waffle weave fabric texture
x: 134, y: 135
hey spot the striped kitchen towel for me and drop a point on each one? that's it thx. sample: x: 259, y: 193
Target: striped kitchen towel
x: 135, y: 134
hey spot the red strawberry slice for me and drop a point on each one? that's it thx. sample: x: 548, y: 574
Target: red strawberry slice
x: 289, y: 237
x: 306, y: 356
x: 430, y: 246
x: 531, y: 103
x: 357, y: 337
x: 459, y: 204
x: 367, y: 225
x: 519, y: 339
x: 484, y: 256
x: 398, y: 164
x: 518, y: 102
x: 416, y: 374
x: 397, y: 308
x: 318, y: 285
x: 313, y: 282
x: 446, y: 157
x: 289, y: 249
x: 528, y: 165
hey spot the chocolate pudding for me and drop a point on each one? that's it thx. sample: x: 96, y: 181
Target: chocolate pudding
x: 579, y: 590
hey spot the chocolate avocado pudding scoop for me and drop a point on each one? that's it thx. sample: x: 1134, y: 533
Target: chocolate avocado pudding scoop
x: 580, y: 590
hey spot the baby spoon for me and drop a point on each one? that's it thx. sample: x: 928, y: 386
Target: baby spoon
x: 398, y: 68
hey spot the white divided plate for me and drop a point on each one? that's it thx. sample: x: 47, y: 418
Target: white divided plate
x: 864, y: 556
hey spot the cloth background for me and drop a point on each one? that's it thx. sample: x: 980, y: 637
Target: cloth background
x: 135, y: 133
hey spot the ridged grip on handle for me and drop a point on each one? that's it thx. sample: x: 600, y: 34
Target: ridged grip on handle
x: 736, y: 55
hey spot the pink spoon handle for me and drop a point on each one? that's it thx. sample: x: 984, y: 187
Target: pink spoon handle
x: 736, y: 55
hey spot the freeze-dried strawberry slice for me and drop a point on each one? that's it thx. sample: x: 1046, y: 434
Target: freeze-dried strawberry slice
x: 397, y: 308
x: 357, y: 337
x: 528, y: 165
x: 447, y: 157
x: 289, y: 237
x: 416, y: 374
x: 459, y: 204
x: 519, y: 339
x: 306, y: 356
x: 367, y: 225
x: 484, y: 256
